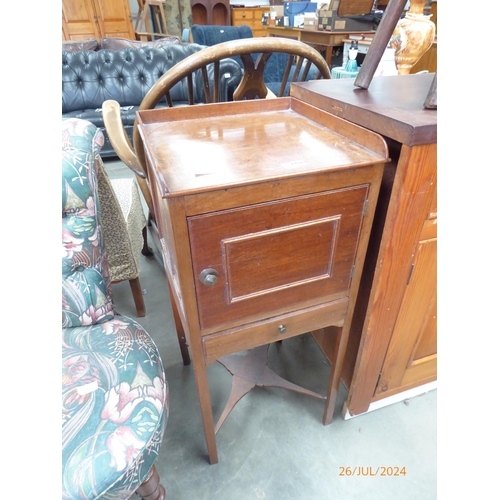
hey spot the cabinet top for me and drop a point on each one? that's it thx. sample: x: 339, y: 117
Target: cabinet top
x: 392, y: 106
x: 195, y: 149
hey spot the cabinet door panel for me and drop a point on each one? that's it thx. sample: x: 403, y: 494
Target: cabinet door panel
x: 412, y: 352
x: 115, y: 18
x: 79, y: 20
x: 286, y: 251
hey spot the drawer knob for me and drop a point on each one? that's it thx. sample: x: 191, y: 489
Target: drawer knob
x: 209, y: 277
x: 282, y: 329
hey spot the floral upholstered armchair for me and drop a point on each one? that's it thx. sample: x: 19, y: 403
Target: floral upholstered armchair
x: 114, y: 392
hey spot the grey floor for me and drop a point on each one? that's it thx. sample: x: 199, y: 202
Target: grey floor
x: 273, y: 445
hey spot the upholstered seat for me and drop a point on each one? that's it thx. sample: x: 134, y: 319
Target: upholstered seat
x: 114, y: 391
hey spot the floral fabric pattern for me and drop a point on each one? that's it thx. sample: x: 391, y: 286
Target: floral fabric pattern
x: 86, y: 285
x: 114, y: 391
x: 114, y: 409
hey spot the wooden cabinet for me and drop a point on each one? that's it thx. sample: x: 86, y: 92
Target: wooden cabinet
x: 264, y: 209
x: 251, y: 16
x: 82, y: 19
x: 392, y: 344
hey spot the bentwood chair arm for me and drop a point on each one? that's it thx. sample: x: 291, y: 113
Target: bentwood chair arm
x: 123, y: 148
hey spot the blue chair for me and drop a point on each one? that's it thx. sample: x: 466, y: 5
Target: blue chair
x: 212, y: 35
x: 114, y: 391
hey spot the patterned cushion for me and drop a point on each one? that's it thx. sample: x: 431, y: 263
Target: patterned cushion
x: 114, y: 392
x: 115, y: 407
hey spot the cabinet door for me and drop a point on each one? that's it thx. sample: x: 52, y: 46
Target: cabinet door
x: 79, y: 20
x: 115, y: 18
x: 411, y: 358
x: 281, y: 252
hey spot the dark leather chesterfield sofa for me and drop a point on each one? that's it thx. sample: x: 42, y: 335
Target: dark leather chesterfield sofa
x: 90, y: 77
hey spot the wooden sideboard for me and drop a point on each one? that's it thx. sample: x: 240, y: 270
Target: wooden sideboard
x: 82, y: 19
x: 252, y: 17
x: 393, y: 340
x: 264, y: 210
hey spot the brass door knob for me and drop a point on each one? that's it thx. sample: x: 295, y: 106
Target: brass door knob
x: 209, y: 277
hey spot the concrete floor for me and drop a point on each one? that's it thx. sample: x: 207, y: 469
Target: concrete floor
x: 273, y: 445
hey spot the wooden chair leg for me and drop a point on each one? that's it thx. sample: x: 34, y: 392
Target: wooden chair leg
x: 181, y: 337
x: 151, y: 489
x: 140, y: 306
x: 146, y: 250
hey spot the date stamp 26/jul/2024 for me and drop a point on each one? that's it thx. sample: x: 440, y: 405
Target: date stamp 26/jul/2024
x: 372, y: 471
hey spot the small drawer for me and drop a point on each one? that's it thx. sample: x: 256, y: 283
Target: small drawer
x: 259, y: 32
x: 242, y: 16
x: 281, y: 327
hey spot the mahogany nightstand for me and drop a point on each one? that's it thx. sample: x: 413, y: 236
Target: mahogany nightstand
x: 264, y: 209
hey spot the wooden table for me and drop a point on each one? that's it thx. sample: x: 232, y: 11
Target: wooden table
x: 264, y: 212
x: 393, y: 340
x: 328, y: 39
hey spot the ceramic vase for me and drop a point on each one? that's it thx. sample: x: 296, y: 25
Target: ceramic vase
x: 412, y: 37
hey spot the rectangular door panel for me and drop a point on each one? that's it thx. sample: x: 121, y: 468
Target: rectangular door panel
x: 275, y: 253
x: 79, y: 20
x: 115, y: 17
x: 414, y: 341
x: 259, y: 256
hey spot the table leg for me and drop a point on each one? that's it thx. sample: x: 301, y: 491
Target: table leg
x: 337, y: 359
x: 328, y: 56
x: 200, y: 373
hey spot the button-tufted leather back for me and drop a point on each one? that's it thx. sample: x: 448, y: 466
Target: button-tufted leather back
x: 89, y: 78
